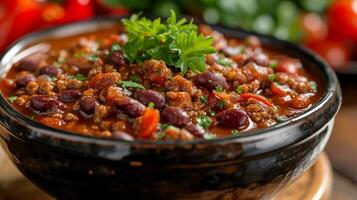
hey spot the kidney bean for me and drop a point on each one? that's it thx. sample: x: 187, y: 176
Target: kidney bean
x: 116, y: 58
x: 122, y: 135
x: 23, y: 80
x: 51, y: 70
x: 42, y: 104
x: 195, y: 130
x: 27, y: 65
x: 87, y: 106
x: 129, y: 106
x: 210, y: 80
x: 232, y: 118
x: 69, y: 95
x: 147, y: 96
x: 175, y: 116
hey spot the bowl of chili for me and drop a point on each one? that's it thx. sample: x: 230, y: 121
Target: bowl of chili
x: 105, y: 113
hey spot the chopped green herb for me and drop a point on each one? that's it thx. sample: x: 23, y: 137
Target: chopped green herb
x: 12, y: 99
x: 79, y: 54
x: 313, y: 85
x: 224, y: 62
x: 131, y: 84
x: 221, y: 104
x: 219, y: 88
x: 79, y: 77
x: 160, y: 135
x: 177, y: 42
x: 116, y: 47
x: 273, y: 64
x: 209, y: 136
x: 235, y: 132
x: 57, y: 64
x: 239, y: 89
x: 53, y: 79
x: 93, y: 58
x: 204, y: 121
x: 151, y: 105
x: 272, y: 77
x: 281, y: 119
x: 134, y: 78
x: 203, y: 99
x: 163, y: 127
x: 212, y: 113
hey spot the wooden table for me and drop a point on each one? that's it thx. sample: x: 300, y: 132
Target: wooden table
x: 315, y: 184
x: 342, y: 146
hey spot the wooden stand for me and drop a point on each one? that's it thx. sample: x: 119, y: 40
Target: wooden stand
x: 315, y: 184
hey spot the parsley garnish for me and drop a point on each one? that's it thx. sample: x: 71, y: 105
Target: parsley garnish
x: 235, y: 132
x: 79, y: 54
x: 221, y: 104
x: 12, y: 99
x: 79, y: 77
x: 203, y: 99
x: 93, y: 58
x: 163, y: 127
x: 212, y: 113
x: 151, y: 105
x: 116, y: 47
x: 204, y: 121
x: 273, y: 64
x: 281, y: 119
x: 219, y: 88
x: 225, y: 62
x: 126, y: 84
x: 239, y: 89
x: 272, y: 77
x: 313, y: 85
x: 209, y: 136
x: 175, y: 42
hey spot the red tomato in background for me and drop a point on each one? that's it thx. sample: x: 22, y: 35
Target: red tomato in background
x: 343, y: 19
x: 336, y: 52
x: 314, y: 27
x: 18, y: 17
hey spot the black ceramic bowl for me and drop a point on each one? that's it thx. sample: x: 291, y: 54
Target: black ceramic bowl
x: 255, y: 165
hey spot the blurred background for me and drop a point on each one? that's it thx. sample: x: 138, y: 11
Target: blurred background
x: 328, y: 27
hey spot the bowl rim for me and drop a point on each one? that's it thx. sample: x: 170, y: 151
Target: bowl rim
x: 332, y: 87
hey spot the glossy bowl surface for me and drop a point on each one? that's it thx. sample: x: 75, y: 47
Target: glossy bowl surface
x: 255, y: 165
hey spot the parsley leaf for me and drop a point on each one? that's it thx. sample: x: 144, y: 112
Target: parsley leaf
x: 209, y: 136
x: 313, y: 85
x: 116, y: 47
x: 176, y: 42
x: 79, y: 77
x: 126, y: 84
x: 219, y: 88
x: 93, y: 58
x: 151, y: 105
x: 204, y: 121
x: 12, y: 99
x: 221, y: 104
x: 204, y: 99
x: 273, y: 64
x: 239, y: 89
x: 235, y: 132
x: 271, y: 77
x: 225, y: 62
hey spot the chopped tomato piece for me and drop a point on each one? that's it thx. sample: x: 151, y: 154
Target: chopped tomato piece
x: 289, y: 65
x: 52, y: 121
x: 278, y: 90
x: 257, y: 97
x: 148, y: 123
